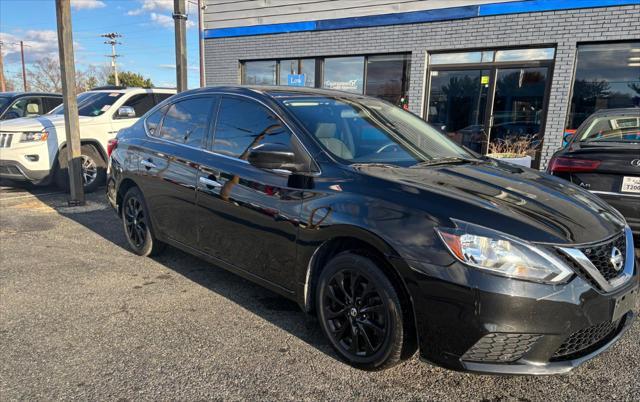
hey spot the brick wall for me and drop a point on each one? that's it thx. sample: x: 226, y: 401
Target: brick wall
x: 563, y: 29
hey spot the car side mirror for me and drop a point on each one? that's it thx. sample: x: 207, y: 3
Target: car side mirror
x: 125, y: 112
x: 567, y: 137
x: 272, y: 156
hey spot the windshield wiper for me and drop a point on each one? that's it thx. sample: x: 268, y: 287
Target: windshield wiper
x: 447, y: 161
x: 374, y: 164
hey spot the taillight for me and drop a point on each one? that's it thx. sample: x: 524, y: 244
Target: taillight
x: 562, y: 164
x: 111, y: 145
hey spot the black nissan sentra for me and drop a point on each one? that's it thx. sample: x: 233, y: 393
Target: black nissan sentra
x: 395, y: 237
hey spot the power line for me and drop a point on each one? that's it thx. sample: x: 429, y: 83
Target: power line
x: 113, y: 41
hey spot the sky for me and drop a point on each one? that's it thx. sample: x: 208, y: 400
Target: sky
x: 146, y: 25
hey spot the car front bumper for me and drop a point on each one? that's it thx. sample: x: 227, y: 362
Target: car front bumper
x: 25, y: 161
x: 469, y: 320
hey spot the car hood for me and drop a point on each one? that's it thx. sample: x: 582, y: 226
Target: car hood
x: 38, y: 123
x: 519, y: 201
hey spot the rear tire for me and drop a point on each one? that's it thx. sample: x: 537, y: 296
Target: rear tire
x: 360, y: 312
x: 94, y: 169
x: 136, y: 224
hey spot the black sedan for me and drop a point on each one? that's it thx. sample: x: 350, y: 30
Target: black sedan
x: 603, y: 156
x: 397, y: 238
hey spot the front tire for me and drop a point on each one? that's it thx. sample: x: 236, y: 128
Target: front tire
x: 360, y: 312
x: 137, y: 229
x: 94, y: 169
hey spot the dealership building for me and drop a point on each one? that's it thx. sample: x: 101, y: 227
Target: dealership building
x: 482, y: 71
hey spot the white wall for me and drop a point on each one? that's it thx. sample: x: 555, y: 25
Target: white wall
x: 234, y: 13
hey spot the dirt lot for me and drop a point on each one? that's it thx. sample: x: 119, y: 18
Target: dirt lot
x: 83, y: 318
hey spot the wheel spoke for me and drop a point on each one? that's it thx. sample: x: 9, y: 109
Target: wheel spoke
x: 367, y: 341
x: 331, y: 293
x: 355, y: 342
x: 378, y: 331
x: 374, y: 309
x: 339, y: 333
x: 335, y: 314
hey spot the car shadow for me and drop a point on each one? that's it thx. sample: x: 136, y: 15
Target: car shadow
x: 284, y: 313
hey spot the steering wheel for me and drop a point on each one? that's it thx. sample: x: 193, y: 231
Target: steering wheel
x: 385, y: 147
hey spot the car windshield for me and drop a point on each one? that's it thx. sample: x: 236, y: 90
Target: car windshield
x: 92, y: 103
x: 366, y: 130
x: 625, y: 128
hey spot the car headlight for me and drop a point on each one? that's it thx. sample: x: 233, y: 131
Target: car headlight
x: 501, y: 254
x: 34, y: 136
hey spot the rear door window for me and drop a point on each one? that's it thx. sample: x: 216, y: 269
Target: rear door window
x: 141, y: 103
x: 187, y: 122
x: 50, y: 103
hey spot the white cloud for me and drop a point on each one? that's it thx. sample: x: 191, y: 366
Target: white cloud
x: 166, y: 21
x: 87, y: 4
x: 152, y: 5
x: 37, y: 45
x: 173, y: 67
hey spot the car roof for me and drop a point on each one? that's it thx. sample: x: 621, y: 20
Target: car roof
x: 606, y: 112
x: 273, y: 91
x: 135, y: 89
x: 21, y: 94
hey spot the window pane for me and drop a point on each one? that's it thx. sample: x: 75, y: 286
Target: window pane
x: 525, y: 54
x: 456, y: 58
x: 259, y: 73
x: 243, y: 125
x: 309, y: 71
x: 344, y: 73
x: 153, y: 120
x: 613, y: 129
x: 141, y: 103
x: 287, y: 68
x: 607, y: 77
x: 187, y: 121
x: 387, y: 77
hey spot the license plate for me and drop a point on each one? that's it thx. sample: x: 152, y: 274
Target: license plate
x: 625, y: 303
x: 630, y: 184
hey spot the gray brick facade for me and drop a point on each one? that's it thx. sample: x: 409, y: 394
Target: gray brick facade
x: 564, y: 29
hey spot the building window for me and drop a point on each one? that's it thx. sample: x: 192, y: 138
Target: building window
x: 388, y: 77
x: 259, y: 73
x: 607, y: 77
x: 344, y: 74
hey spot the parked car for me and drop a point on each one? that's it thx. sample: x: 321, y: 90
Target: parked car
x: 34, y: 149
x: 603, y: 156
x: 14, y: 105
x: 396, y: 237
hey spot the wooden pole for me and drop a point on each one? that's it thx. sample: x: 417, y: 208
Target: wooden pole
x: 68, y: 73
x: 180, y: 21
x: 201, y: 42
x: 24, y: 70
x: 3, y: 86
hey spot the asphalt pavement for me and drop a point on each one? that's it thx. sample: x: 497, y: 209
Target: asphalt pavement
x: 81, y: 317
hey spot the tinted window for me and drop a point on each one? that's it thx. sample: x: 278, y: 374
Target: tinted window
x: 613, y: 129
x: 607, y: 77
x: 243, y: 124
x: 94, y: 103
x: 387, y: 77
x: 50, y: 103
x: 153, y: 121
x: 187, y: 121
x: 162, y: 97
x: 141, y: 103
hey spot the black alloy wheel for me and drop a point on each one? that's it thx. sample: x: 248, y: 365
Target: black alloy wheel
x: 360, y: 312
x: 136, y: 222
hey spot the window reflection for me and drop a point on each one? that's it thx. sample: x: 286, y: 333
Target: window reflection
x: 607, y: 77
x: 387, y: 77
x: 344, y: 73
x: 260, y: 73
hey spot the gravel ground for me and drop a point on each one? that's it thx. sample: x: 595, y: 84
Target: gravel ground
x: 83, y: 318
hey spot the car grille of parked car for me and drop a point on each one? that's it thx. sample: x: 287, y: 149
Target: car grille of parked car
x: 599, y: 256
x: 586, y: 340
x: 5, y: 140
x: 501, y: 348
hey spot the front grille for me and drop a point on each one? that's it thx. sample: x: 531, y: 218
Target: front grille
x: 586, y: 340
x: 600, y: 256
x: 10, y: 169
x: 501, y: 347
x: 5, y: 140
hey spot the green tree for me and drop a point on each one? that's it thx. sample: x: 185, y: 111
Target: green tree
x: 130, y: 79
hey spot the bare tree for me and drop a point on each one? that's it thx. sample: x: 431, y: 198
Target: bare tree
x: 44, y: 75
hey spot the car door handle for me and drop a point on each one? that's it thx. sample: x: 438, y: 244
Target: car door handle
x: 148, y: 164
x: 209, y: 182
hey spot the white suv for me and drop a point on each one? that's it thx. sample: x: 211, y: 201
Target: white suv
x: 34, y: 149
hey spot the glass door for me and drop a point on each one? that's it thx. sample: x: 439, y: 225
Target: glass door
x: 457, y: 105
x: 519, y: 106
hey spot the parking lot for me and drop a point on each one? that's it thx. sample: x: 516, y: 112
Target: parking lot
x: 83, y: 318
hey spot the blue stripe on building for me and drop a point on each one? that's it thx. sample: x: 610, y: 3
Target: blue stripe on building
x: 444, y: 14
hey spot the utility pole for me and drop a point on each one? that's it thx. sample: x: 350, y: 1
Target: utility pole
x: 68, y: 73
x: 180, y: 21
x: 24, y: 70
x: 3, y: 86
x: 201, y: 8
x: 112, y: 40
